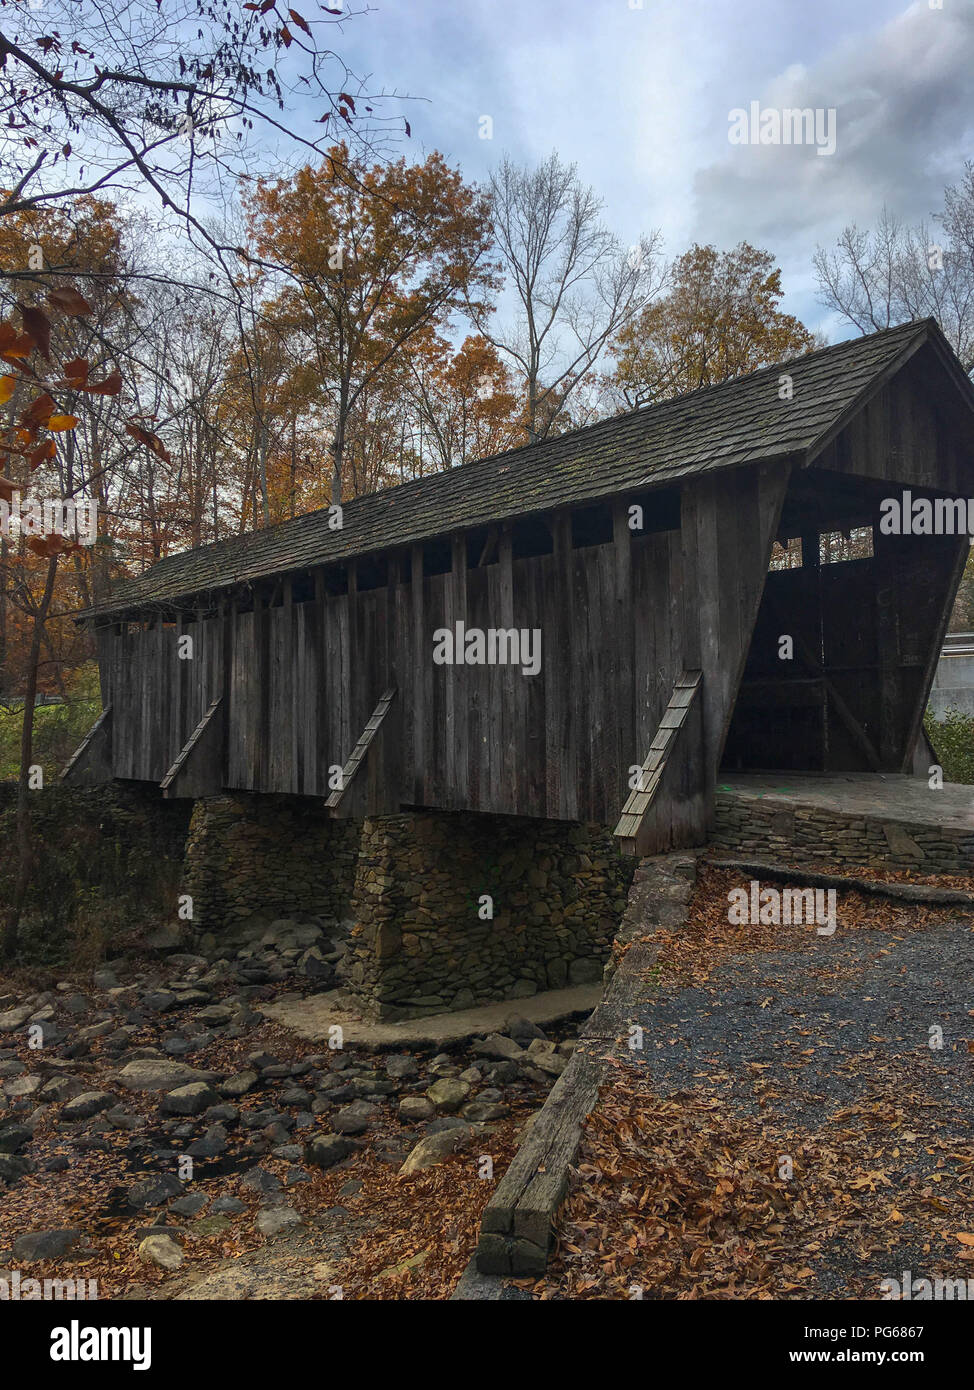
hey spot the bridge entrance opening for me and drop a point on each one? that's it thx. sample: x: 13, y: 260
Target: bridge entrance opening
x: 848, y: 630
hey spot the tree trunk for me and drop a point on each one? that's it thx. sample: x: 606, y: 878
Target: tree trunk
x: 338, y: 449
x: 24, y: 840
x: 262, y: 452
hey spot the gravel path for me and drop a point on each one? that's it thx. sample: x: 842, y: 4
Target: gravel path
x: 848, y: 997
x: 820, y: 1053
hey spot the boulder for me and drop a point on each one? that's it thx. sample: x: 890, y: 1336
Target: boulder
x: 448, y: 1094
x: 354, y: 1118
x: 189, y: 1100
x: 272, y: 1221
x: 434, y: 1148
x: 160, y: 1074
x: 14, y: 1137
x: 44, y: 1245
x: 162, y: 1251
x: 325, y: 1150
x: 87, y: 1104
x: 12, y: 1168
x: 20, y: 1086
x: 212, y: 1144
x: 15, y: 1018
x: 402, y: 1067
x: 497, y: 1046
x: 413, y: 1109
x: 152, y: 1192
x: 239, y: 1084
x: 227, y: 1206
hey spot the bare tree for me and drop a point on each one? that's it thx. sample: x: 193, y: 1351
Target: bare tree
x: 894, y: 272
x: 576, y: 284
x: 166, y: 95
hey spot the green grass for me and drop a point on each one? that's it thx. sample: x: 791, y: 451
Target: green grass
x: 58, y: 729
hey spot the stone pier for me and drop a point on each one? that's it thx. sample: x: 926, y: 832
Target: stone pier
x: 256, y: 856
x: 448, y: 910
x: 425, y: 884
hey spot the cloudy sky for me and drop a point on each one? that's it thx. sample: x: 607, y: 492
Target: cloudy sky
x: 639, y: 99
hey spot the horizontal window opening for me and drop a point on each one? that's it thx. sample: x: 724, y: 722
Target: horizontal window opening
x: 531, y: 537
x: 836, y: 546
x: 372, y: 573
x: 649, y: 513
x: 591, y: 526
x: 334, y: 581
x: 786, y: 555
x: 482, y: 547
x: 437, y: 557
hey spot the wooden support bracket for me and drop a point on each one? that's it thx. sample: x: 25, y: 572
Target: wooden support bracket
x: 634, y: 812
x: 338, y: 802
x: 197, y: 770
x: 91, y: 762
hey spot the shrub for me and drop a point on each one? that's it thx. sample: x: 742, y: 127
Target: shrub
x: 58, y: 729
x: 952, y: 739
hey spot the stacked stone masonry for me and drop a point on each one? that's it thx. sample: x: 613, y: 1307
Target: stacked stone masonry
x: 812, y: 835
x: 413, y: 886
x: 267, y: 857
x: 421, y: 943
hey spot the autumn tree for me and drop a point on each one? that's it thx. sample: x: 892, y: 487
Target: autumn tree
x: 718, y: 318
x: 575, y: 284
x: 30, y: 444
x: 374, y: 258
x: 278, y: 454
x: 466, y: 402
x: 85, y: 235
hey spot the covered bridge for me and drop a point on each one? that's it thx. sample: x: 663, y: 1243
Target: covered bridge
x: 632, y: 560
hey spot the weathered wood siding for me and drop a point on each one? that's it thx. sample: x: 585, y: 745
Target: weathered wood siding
x: 301, y: 673
x: 914, y: 432
x: 157, y: 698
x: 618, y: 622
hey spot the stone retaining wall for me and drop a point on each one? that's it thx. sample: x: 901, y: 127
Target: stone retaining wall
x: 756, y: 826
x: 420, y: 945
x: 250, y: 856
x: 108, y: 865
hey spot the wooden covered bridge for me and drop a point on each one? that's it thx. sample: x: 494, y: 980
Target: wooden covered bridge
x: 631, y: 560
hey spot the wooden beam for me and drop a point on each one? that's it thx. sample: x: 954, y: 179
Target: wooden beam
x: 198, y: 769
x: 91, y: 762
x: 638, y: 804
x: 490, y: 545
x: 814, y: 663
x: 358, y: 755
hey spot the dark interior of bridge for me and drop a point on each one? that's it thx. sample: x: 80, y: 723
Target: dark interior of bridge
x: 865, y: 614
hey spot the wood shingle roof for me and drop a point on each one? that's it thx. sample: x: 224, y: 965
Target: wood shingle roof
x: 738, y: 422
